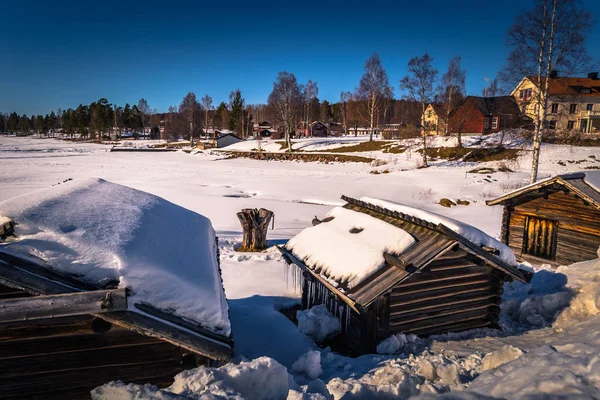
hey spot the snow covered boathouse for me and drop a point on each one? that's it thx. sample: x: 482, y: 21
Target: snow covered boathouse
x: 103, y: 282
x: 555, y: 221
x: 385, y: 268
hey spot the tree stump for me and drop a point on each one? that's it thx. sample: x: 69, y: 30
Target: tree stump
x: 255, y: 223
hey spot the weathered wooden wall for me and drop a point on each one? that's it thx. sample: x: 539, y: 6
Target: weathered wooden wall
x: 578, y: 236
x: 64, y: 358
x: 453, y: 293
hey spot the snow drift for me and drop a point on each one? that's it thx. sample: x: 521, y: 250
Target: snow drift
x: 100, y: 232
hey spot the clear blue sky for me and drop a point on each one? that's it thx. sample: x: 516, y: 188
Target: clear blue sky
x: 62, y: 53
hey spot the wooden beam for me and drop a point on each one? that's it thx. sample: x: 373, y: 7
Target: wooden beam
x: 149, y: 326
x: 62, y: 305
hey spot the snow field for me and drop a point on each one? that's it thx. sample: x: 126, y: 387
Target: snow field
x: 553, y: 320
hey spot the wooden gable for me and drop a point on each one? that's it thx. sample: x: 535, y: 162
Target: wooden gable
x: 555, y: 221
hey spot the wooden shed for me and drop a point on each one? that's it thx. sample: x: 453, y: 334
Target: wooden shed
x: 91, y: 291
x: 555, y: 221
x: 440, y: 282
x: 61, y: 338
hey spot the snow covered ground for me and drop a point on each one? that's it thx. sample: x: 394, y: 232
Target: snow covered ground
x: 552, y: 356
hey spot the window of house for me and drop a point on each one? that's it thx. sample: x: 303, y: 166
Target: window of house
x: 552, y: 124
x: 486, y: 123
x: 589, y: 107
x: 572, y: 108
x: 539, y: 239
x: 525, y: 93
x: 586, y: 91
x: 554, y: 108
x: 495, y: 123
x: 570, y: 124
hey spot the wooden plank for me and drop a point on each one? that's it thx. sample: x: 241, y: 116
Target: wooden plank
x: 45, y: 327
x: 401, y: 309
x: 76, y: 342
x: 194, y: 342
x: 417, y: 299
x: 21, y: 367
x: 445, y: 321
x: 148, y: 309
x: 87, y: 377
x: 459, y: 283
x: 62, y: 305
x: 452, y: 307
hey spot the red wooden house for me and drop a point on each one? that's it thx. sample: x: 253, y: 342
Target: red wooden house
x: 483, y: 115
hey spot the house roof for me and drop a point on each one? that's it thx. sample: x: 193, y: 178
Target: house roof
x: 584, y: 184
x: 92, y: 233
x: 431, y: 238
x: 438, y: 108
x: 565, y: 86
x: 498, y: 105
x: 229, y: 134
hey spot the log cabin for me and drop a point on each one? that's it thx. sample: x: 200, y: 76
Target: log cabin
x: 89, y: 297
x: 61, y: 338
x: 384, y: 268
x: 555, y: 221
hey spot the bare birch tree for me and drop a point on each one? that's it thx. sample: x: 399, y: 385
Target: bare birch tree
x: 453, y: 89
x: 372, y: 89
x: 311, y: 91
x: 418, y: 86
x: 549, y: 37
x: 145, y: 113
x: 207, y: 105
x: 345, y: 97
x: 286, y: 99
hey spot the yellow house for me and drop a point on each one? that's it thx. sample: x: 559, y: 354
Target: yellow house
x: 573, y: 103
x: 433, y: 120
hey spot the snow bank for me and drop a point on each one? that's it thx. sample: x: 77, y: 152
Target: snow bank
x: 559, y: 298
x: 348, y: 258
x: 592, y: 178
x: 101, y: 232
x: 260, y: 379
x: 502, y: 356
x: 318, y: 323
x: 309, y: 365
x: 544, y: 373
x: 396, y: 343
x: 467, y: 231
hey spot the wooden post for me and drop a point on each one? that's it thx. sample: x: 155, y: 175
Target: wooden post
x: 255, y: 223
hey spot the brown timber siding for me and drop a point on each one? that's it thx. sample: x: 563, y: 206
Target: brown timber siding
x: 64, y: 358
x: 453, y: 293
x: 578, y: 235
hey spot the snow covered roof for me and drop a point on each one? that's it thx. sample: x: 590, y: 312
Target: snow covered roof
x: 585, y: 184
x: 350, y: 247
x: 366, y: 236
x: 98, y: 232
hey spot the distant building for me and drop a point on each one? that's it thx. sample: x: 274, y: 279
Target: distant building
x: 483, y: 115
x: 359, y: 131
x: 219, y: 142
x: 574, y: 103
x: 433, y: 120
x: 314, y: 129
